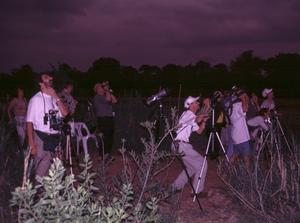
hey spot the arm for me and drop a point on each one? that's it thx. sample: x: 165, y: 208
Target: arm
x: 110, y: 97
x: 201, y: 123
x: 9, y: 109
x: 30, y: 138
x: 61, y: 106
x: 245, y: 102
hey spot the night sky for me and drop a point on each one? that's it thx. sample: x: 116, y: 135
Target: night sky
x: 39, y: 32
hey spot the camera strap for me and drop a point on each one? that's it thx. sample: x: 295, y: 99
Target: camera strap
x: 45, y: 103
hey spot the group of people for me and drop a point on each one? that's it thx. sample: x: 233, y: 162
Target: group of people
x: 38, y: 119
x: 237, y: 125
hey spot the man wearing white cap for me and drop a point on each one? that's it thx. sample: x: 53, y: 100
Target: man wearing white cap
x: 192, y: 160
x: 269, y: 99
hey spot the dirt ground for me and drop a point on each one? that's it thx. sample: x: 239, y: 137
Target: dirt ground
x: 218, y: 206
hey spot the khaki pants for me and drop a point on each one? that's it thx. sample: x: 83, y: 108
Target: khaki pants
x: 42, y: 159
x: 193, y: 162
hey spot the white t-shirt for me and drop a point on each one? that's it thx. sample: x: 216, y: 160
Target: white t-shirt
x: 239, y: 129
x: 187, y: 125
x: 38, y: 105
x: 268, y: 104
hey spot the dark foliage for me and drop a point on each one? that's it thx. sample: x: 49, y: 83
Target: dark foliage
x: 282, y: 72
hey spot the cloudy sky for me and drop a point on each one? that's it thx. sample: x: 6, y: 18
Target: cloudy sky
x: 39, y: 32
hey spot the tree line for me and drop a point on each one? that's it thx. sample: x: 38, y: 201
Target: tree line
x: 281, y: 72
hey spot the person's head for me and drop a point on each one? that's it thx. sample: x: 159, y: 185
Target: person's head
x: 46, y: 80
x: 268, y: 93
x: 99, y: 89
x: 192, y: 103
x: 20, y: 92
x: 240, y: 93
x: 68, y: 87
x: 253, y: 97
x: 218, y: 96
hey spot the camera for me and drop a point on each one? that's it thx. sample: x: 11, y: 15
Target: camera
x: 55, y: 122
x: 106, y: 85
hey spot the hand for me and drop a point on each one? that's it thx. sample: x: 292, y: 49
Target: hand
x: 49, y: 91
x: 202, y: 118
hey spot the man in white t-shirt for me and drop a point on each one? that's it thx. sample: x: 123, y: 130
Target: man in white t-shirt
x: 269, y: 99
x: 192, y: 160
x: 239, y: 131
x: 43, y: 138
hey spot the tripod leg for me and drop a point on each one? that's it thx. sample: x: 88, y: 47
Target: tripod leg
x: 203, y: 164
x: 221, y: 144
x: 283, y: 134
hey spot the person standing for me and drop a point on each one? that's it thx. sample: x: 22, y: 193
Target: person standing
x: 269, y: 99
x: 68, y: 99
x: 17, y: 110
x: 253, y: 107
x: 103, y: 110
x: 192, y: 160
x: 239, y: 130
x: 43, y: 138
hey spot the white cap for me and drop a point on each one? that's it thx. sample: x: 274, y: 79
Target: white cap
x: 189, y: 100
x: 266, y: 91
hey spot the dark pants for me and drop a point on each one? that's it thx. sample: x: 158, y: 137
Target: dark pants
x: 106, y: 127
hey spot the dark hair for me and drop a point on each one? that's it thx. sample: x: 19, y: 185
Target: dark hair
x: 263, y: 111
x: 67, y: 84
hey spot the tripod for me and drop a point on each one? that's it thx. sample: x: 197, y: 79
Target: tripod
x: 213, y: 133
x: 66, y: 131
x: 273, y: 134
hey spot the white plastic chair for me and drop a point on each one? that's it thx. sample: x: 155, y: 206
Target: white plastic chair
x: 82, y: 133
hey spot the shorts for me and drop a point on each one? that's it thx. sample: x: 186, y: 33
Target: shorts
x: 243, y: 149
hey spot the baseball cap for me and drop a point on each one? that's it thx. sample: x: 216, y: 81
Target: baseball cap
x: 266, y: 91
x: 189, y: 100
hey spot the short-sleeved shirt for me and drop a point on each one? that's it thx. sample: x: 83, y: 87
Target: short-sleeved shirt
x: 187, y: 125
x: 102, y: 107
x: 68, y: 101
x: 239, y: 129
x: 38, y: 106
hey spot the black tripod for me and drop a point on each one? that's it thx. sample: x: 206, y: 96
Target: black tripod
x: 213, y: 133
x: 66, y: 140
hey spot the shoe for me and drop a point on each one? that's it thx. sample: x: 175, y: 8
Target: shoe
x: 170, y: 195
x: 200, y: 194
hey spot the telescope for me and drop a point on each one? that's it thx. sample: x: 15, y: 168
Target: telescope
x: 158, y: 96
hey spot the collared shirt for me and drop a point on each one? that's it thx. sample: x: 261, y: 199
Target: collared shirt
x: 239, y: 129
x: 187, y: 125
x: 39, y: 105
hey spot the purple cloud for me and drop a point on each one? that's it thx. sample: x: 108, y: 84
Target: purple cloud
x: 138, y: 32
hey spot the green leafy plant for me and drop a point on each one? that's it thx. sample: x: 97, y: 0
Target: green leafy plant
x: 65, y: 198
